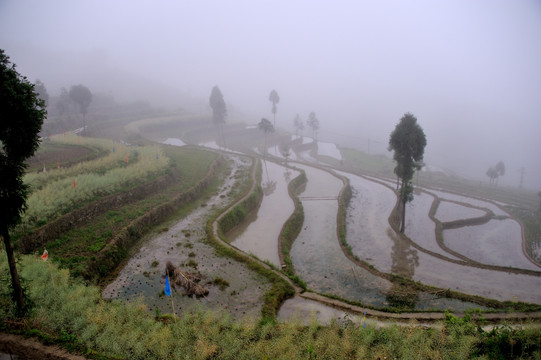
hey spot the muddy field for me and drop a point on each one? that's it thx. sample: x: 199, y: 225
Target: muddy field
x: 232, y: 286
x: 51, y: 154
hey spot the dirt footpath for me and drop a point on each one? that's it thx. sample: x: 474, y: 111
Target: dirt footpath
x: 20, y: 347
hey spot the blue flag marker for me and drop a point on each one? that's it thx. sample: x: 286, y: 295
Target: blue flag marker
x: 167, y: 286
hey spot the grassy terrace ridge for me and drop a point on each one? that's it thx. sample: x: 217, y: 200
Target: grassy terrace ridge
x: 79, y: 242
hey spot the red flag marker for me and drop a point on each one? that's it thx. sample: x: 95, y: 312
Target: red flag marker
x: 45, y: 255
x: 57, y: 165
x: 74, y: 184
x: 127, y: 160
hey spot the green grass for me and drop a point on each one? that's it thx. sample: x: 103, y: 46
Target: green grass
x: 192, y: 163
x: 359, y: 161
x: 75, y: 317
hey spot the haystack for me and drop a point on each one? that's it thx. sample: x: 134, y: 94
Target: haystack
x: 189, y: 281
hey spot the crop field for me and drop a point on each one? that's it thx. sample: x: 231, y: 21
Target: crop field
x: 60, y: 190
x: 124, y: 172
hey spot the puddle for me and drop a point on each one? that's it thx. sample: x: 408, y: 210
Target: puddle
x: 260, y: 237
x: 184, y: 245
x: 498, y: 242
x: 305, y: 311
x: 174, y: 142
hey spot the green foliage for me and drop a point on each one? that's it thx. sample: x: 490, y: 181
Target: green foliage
x: 22, y: 113
x: 292, y: 227
x: 221, y: 283
x: 75, y: 314
x: 408, y: 142
x: 239, y: 212
x: 217, y: 103
x: 56, y: 193
x: 82, y: 96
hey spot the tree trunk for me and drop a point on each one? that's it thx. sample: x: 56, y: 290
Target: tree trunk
x: 15, y: 282
x: 403, y: 221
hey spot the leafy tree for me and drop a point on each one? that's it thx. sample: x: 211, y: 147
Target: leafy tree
x: 500, y: 168
x: 496, y: 171
x: 267, y: 127
x: 408, y: 142
x: 313, y: 123
x: 63, y: 103
x: 298, y: 124
x: 219, y: 110
x: 82, y: 96
x: 22, y: 113
x: 492, y: 173
x: 274, y: 99
x: 42, y: 92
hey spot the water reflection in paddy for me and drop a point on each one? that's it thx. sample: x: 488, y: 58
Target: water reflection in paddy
x: 260, y: 237
x: 498, y: 242
x: 420, y: 227
x: 316, y: 254
x: 388, y: 253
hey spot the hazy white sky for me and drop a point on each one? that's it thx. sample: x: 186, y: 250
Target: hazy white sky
x: 470, y: 70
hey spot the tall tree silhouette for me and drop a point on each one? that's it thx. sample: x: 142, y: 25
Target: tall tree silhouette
x: 82, y: 96
x: 219, y: 111
x: 22, y: 113
x: 313, y: 123
x: 408, y: 142
x: 274, y: 99
x: 298, y: 124
x: 267, y: 127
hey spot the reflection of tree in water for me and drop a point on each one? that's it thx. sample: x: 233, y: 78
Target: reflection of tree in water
x: 404, y: 260
x: 269, y: 187
x: 287, y: 175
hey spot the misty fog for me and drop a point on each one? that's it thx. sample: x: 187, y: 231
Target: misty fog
x: 468, y: 70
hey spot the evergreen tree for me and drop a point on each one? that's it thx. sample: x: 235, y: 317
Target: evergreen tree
x: 408, y: 141
x: 22, y: 113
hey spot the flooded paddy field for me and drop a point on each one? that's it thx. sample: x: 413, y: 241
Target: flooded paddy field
x: 382, y: 248
x: 260, y: 236
x: 319, y: 260
x: 232, y: 286
x: 316, y: 254
x: 419, y: 226
x: 498, y: 242
x: 471, y: 201
x: 367, y: 221
x: 450, y: 211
